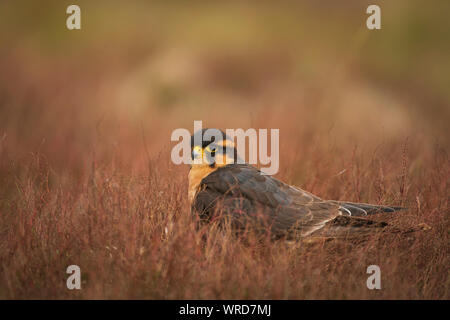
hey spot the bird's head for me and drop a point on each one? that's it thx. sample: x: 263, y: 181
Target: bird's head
x: 212, y: 148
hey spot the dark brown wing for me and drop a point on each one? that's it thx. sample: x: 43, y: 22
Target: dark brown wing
x: 243, y: 192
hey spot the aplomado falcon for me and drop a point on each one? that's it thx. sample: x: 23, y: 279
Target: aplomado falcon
x: 251, y: 200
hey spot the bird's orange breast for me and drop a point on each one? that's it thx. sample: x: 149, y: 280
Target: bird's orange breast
x: 196, y: 175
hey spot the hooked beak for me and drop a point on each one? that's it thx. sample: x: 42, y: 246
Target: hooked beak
x: 197, y: 154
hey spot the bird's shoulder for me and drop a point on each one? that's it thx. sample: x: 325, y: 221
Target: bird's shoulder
x: 247, y: 181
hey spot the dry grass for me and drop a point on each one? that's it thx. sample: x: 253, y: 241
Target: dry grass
x: 86, y: 176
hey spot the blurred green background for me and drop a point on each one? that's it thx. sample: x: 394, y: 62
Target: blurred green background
x: 156, y: 66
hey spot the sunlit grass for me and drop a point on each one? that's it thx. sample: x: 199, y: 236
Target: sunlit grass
x: 85, y: 124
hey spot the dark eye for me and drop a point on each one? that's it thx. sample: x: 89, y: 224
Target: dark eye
x: 211, y: 149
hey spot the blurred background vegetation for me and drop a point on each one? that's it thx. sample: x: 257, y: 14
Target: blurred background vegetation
x: 86, y: 118
x: 141, y: 68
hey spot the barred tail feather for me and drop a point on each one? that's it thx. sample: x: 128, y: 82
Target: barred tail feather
x: 364, y: 209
